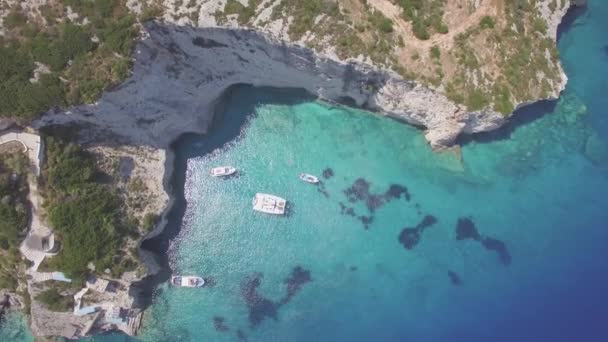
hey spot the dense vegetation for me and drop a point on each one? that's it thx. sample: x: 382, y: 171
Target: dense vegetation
x: 426, y: 16
x: 87, y: 216
x: 13, y: 214
x: 81, y: 60
x: 245, y: 13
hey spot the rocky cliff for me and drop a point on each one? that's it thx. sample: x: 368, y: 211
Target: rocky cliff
x: 180, y: 72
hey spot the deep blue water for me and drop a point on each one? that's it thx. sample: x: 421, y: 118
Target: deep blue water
x: 530, y: 186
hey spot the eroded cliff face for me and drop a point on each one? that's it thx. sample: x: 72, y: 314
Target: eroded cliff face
x: 181, y: 72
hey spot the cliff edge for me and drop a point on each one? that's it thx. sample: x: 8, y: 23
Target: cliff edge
x: 180, y: 72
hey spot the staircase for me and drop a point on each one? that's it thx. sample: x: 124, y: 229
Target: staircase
x: 41, y: 276
x: 32, y: 255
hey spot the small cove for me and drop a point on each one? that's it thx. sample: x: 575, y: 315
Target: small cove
x: 336, y: 270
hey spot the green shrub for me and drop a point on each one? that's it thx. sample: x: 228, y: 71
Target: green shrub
x: 539, y: 25
x: 13, y: 213
x: 120, y: 36
x: 150, y: 220
x: 126, y: 264
x: 477, y: 100
x: 150, y: 12
x: 425, y: 15
x: 69, y: 167
x: 435, y: 52
x: 54, y: 301
x: 4, y: 244
x: 15, y: 19
x: 75, y: 40
x: 8, y: 281
x: 380, y: 22
x: 304, y: 14
x: 420, y: 30
x: 487, y: 22
x: 105, y: 8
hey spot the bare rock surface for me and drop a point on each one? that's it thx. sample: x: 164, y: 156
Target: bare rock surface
x: 180, y: 73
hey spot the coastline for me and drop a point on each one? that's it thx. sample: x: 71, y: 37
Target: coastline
x: 157, y: 269
x: 151, y: 257
x: 157, y: 262
x: 153, y: 246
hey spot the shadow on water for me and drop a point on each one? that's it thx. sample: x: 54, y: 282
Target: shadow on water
x: 568, y: 21
x: 227, y: 126
x: 520, y: 117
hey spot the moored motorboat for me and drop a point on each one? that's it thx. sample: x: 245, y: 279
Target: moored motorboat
x: 187, y: 281
x: 309, y: 178
x: 269, y: 204
x: 222, y: 171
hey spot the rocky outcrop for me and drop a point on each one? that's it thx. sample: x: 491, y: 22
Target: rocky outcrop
x: 4, y: 305
x: 181, y: 72
x: 9, y: 301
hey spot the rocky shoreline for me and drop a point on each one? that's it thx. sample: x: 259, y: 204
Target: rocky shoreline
x: 181, y: 75
x: 181, y: 72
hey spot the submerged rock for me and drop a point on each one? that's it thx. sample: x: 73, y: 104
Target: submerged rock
x: 397, y: 191
x: 454, y: 278
x: 366, y: 220
x: 328, y: 173
x: 427, y: 221
x: 299, y: 277
x: 220, y: 324
x: 241, y: 335
x: 596, y: 149
x: 499, y: 247
x: 259, y: 307
x: 409, y: 237
x: 465, y: 229
x: 359, y: 191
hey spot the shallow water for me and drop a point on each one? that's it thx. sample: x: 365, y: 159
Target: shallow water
x: 323, y: 274
x: 14, y: 328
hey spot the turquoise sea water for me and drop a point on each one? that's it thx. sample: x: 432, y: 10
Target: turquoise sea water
x: 14, y: 328
x: 336, y: 270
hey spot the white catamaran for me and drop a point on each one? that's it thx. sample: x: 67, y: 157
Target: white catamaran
x: 269, y: 204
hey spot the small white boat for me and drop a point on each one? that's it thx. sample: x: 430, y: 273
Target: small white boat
x: 222, y: 171
x: 187, y: 281
x: 309, y: 178
x: 269, y: 204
